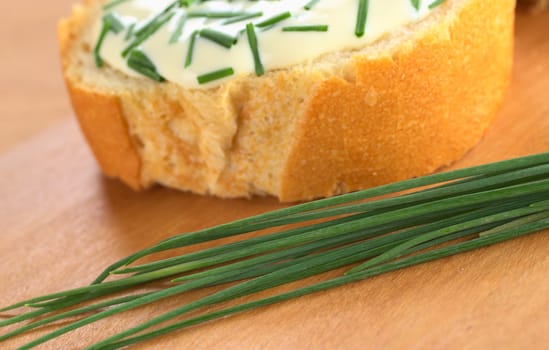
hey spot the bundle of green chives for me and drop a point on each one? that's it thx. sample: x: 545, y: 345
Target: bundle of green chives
x: 439, y: 215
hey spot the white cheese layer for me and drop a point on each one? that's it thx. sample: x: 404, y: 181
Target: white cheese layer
x: 277, y: 48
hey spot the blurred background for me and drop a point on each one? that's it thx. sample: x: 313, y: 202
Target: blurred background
x: 32, y: 94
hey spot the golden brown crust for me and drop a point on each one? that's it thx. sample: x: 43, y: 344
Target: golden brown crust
x: 409, y: 113
x: 102, y: 122
x: 105, y: 129
x: 402, y: 113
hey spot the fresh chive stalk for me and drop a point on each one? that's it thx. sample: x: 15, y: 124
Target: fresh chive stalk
x: 401, y: 249
x: 303, y: 268
x: 334, y: 283
x: 278, y: 217
x: 71, y: 313
x: 57, y: 305
x: 286, y: 216
x: 478, y: 207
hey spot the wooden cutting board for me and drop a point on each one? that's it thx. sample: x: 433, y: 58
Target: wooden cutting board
x: 62, y: 222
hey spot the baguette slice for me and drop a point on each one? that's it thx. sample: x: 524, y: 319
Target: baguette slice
x: 412, y: 102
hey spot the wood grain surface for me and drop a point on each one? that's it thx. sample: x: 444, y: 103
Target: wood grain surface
x: 62, y: 222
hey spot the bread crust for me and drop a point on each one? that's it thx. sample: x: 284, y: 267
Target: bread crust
x: 408, y: 113
x: 401, y: 113
x: 101, y: 119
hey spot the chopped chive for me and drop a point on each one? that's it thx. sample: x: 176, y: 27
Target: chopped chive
x: 216, y: 75
x: 310, y: 4
x: 190, y: 49
x: 186, y: 3
x: 114, y: 3
x: 151, y: 27
x: 416, y: 4
x: 130, y: 31
x: 435, y: 4
x: 145, y: 32
x: 115, y: 25
x: 311, y: 28
x: 178, y: 30
x: 142, y: 64
x: 152, y: 22
x: 243, y: 18
x: 252, y: 40
x: 218, y: 37
x: 109, y: 24
x: 215, y: 14
x: 274, y: 20
x: 96, y: 51
x: 361, y: 18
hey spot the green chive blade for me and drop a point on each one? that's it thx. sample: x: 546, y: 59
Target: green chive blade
x: 242, y: 18
x: 190, y: 49
x: 142, y: 64
x: 308, y: 6
x: 254, y: 47
x: 178, y: 30
x: 147, y: 31
x: 436, y: 3
x: 309, y: 28
x: 274, y: 20
x: 215, y: 75
x: 480, y: 206
x: 218, y: 37
x: 113, y: 4
x: 362, y: 15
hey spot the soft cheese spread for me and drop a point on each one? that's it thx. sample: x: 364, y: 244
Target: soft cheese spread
x: 200, y: 44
